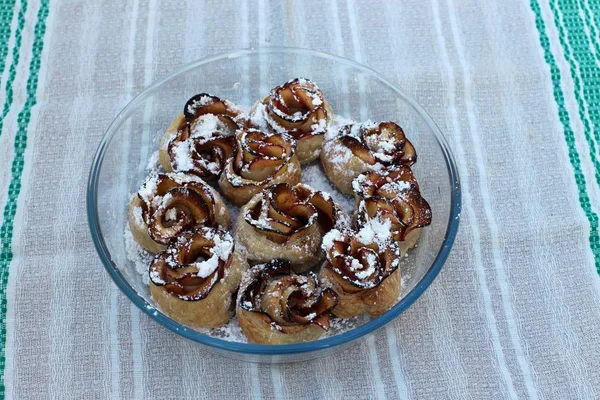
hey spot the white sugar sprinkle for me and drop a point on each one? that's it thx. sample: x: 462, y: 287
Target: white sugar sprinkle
x: 152, y: 162
x: 205, y: 126
x: 223, y: 247
x: 258, y: 116
x: 206, y: 267
x: 182, y: 157
x: 375, y: 231
x: 137, y: 215
x: 201, y: 102
x: 330, y: 237
x: 171, y: 214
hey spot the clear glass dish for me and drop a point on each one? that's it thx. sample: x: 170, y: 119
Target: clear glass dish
x: 243, y: 77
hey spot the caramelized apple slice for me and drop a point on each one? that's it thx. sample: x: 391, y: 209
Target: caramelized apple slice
x: 392, y: 194
x: 190, y: 266
x: 181, y: 209
x: 384, y: 143
x: 360, y: 264
x: 287, y: 299
x: 172, y: 207
x: 206, y: 141
x: 204, y: 103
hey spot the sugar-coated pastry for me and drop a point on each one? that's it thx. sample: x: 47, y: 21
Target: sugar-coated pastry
x: 298, y: 108
x: 276, y: 306
x: 169, y: 204
x: 357, y: 148
x: 261, y: 159
x: 194, y: 280
x: 288, y: 222
x: 295, y: 258
x: 202, y: 138
x: 392, y: 194
x: 362, y: 268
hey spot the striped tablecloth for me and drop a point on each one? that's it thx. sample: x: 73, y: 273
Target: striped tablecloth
x: 515, y: 88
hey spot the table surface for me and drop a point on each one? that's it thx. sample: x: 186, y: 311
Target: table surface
x: 514, y: 87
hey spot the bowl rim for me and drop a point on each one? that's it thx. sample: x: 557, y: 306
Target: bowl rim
x: 258, y: 349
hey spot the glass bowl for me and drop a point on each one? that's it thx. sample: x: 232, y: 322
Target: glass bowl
x: 244, y: 76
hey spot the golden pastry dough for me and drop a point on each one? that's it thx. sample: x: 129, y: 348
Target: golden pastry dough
x: 298, y: 108
x: 276, y: 306
x: 260, y: 160
x: 392, y: 194
x: 202, y: 138
x: 288, y: 222
x: 169, y: 204
x: 359, y: 148
x: 194, y: 280
x: 363, y: 269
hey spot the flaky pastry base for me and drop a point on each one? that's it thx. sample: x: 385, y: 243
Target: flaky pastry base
x: 163, y: 151
x: 303, y: 252
x: 353, y: 301
x: 341, y: 173
x: 214, y: 310
x: 259, y: 330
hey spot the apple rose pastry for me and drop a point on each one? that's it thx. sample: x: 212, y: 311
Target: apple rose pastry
x: 261, y: 160
x: 276, y: 306
x: 393, y: 195
x: 202, y: 138
x: 288, y: 222
x: 169, y: 204
x: 195, y: 279
x: 298, y: 108
x: 359, y: 148
x: 363, y: 269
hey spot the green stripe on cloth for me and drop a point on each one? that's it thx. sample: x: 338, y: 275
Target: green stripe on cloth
x: 14, y: 188
x: 12, y: 72
x: 584, y: 199
x: 7, y: 9
x: 592, y: 23
x: 575, y: 45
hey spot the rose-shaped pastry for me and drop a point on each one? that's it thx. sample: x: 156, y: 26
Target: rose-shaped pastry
x: 195, y: 278
x: 276, y: 306
x: 288, y: 222
x: 363, y: 269
x: 261, y: 160
x: 392, y: 194
x: 298, y: 108
x: 202, y: 138
x: 169, y: 204
x: 359, y: 148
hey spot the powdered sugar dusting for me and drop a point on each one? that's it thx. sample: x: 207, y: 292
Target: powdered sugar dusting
x: 137, y: 215
x: 334, y: 129
x: 359, y: 271
x: 148, y: 189
x: 375, y: 231
x: 395, y: 186
x: 223, y: 247
x: 201, y: 102
x: 258, y: 116
x: 153, y: 161
x: 205, y: 126
x: 330, y: 238
x: 139, y: 257
x: 207, y: 267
